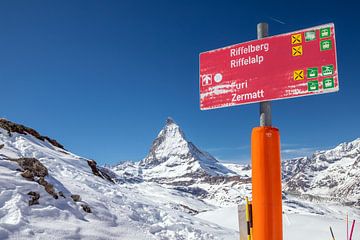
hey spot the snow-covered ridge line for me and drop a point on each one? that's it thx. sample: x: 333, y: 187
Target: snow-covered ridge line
x: 12, y: 127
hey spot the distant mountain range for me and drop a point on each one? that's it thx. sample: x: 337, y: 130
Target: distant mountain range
x: 332, y: 174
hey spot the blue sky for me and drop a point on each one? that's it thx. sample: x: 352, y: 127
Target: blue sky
x: 102, y: 76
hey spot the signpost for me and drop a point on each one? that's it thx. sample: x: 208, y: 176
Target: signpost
x: 296, y: 64
x: 289, y: 65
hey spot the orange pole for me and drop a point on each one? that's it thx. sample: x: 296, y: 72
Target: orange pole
x: 266, y: 184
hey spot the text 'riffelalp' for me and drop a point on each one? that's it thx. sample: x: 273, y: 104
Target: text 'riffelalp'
x: 247, y: 60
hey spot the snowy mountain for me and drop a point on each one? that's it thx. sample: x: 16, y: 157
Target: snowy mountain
x: 177, y: 162
x: 172, y: 156
x: 47, y: 192
x: 332, y: 174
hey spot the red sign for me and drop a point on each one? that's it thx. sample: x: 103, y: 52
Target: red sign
x: 289, y: 65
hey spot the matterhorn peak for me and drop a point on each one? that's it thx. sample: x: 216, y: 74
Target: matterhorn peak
x: 170, y: 140
x: 169, y: 121
x: 172, y: 153
x: 171, y: 131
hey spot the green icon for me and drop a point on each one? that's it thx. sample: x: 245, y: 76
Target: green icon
x: 328, y: 83
x: 310, y: 35
x: 325, y: 45
x: 312, y: 72
x: 313, y: 86
x: 325, y: 32
x: 327, y: 70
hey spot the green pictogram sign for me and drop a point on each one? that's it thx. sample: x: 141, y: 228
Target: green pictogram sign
x: 312, y: 72
x: 328, y: 83
x: 327, y: 70
x: 325, y: 45
x: 313, y: 86
x: 310, y: 35
x: 325, y: 32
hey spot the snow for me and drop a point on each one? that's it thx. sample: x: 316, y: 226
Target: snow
x: 296, y: 226
x: 120, y: 211
x: 228, y: 216
x: 137, y: 207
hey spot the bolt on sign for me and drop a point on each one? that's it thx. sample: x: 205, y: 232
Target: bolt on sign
x: 295, y: 64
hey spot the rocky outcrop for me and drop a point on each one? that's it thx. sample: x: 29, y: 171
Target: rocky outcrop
x: 33, y: 170
x: 18, y: 128
x: 61, y: 194
x: 86, y: 208
x: 31, y: 167
x: 34, y: 198
x: 28, y: 175
x: 97, y: 171
x: 76, y: 197
x: 49, y: 188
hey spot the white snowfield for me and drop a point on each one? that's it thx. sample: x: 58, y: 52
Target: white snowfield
x: 297, y: 226
x: 135, y: 207
x: 120, y: 211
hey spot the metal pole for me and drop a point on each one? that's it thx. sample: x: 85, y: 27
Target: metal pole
x: 265, y: 107
x: 266, y: 172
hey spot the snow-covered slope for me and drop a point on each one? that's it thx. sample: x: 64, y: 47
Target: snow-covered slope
x: 333, y: 174
x: 117, y: 211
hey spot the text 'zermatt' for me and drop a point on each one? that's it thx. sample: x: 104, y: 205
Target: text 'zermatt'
x: 247, y: 60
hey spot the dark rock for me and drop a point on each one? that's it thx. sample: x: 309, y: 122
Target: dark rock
x: 1, y: 146
x: 33, y: 202
x: 76, y: 197
x: 98, y: 171
x: 189, y: 210
x: 92, y: 164
x: 86, y: 208
x: 33, y: 165
x: 34, y: 194
x: 21, y: 129
x: 49, y: 188
x: 34, y: 168
x: 28, y: 175
x: 42, y: 181
x: 34, y: 198
x: 61, y: 194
